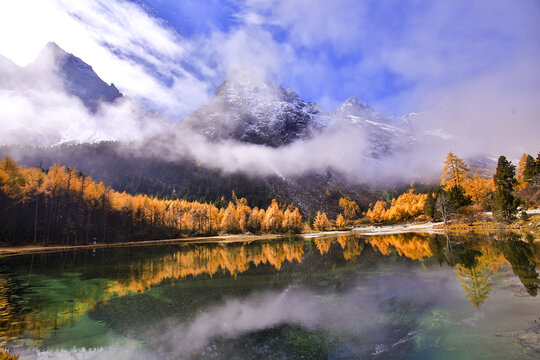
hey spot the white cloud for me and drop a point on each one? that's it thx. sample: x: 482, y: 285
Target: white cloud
x: 123, y: 44
x: 482, y: 56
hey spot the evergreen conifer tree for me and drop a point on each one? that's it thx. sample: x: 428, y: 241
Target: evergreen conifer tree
x: 457, y: 196
x: 504, y: 202
x: 310, y: 221
x: 529, y: 170
x: 430, y: 206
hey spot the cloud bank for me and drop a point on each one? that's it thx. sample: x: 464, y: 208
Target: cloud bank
x: 469, y: 68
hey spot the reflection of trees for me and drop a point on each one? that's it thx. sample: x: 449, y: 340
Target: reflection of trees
x: 62, y: 300
x: 521, y: 257
x: 11, y: 325
x: 412, y: 246
x: 323, y: 244
x: 443, y: 249
x: 351, y: 246
x: 475, y: 282
x: 474, y: 274
x: 206, y: 261
x: 476, y: 261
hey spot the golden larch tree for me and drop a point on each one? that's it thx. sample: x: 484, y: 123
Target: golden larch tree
x: 292, y: 220
x: 378, y: 213
x: 479, y: 189
x: 340, y: 221
x: 321, y: 222
x: 455, y: 172
x: 350, y: 207
x: 273, y: 217
x: 229, y: 221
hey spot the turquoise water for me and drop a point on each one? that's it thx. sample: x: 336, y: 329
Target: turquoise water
x: 348, y: 297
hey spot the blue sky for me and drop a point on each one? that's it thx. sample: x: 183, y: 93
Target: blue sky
x: 400, y: 56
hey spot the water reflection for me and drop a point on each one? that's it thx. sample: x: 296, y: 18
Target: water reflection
x: 521, y: 256
x: 60, y: 291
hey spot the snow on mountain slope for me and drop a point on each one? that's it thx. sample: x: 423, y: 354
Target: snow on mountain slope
x: 386, y: 133
x: 249, y: 108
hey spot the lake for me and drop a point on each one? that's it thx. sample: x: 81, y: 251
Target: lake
x: 410, y: 296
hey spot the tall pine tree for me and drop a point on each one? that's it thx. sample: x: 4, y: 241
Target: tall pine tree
x: 504, y: 202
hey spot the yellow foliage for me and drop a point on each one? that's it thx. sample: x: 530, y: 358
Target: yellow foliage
x: 455, y: 172
x: 292, y: 220
x: 87, y: 200
x: 321, y: 222
x: 350, y: 207
x: 406, y: 207
x: 273, y: 218
x: 229, y: 222
x: 340, y: 221
x: 5, y: 355
x: 479, y: 189
x: 378, y: 213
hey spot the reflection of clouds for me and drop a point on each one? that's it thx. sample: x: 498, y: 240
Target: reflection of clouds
x: 363, y: 316
x: 124, y: 350
x: 361, y: 304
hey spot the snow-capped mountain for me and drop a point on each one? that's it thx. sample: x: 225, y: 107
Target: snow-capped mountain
x: 250, y: 108
x: 55, y: 68
x: 386, y: 133
x: 78, y: 78
x: 58, y: 99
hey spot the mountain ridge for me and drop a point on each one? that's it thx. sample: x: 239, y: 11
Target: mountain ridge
x: 54, y: 67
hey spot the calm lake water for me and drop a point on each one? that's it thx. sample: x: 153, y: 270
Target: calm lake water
x: 407, y: 296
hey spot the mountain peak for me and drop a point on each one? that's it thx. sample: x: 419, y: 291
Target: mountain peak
x: 53, y: 47
x: 251, y: 108
x: 78, y: 77
x: 353, y: 105
x: 49, y: 55
x: 244, y: 84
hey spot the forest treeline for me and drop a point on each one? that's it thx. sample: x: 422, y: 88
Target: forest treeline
x: 463, y: 193
x: 63, y: 206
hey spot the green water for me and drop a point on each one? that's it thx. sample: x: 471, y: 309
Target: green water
x: 384, y: 297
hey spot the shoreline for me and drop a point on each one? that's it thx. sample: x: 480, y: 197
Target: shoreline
x: 367, y: 230
x: 219, y: 239
x: 429, y: 227
x: 222, y: 239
